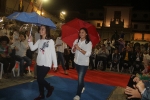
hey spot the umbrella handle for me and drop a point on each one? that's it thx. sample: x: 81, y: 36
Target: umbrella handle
x: 30, y: 31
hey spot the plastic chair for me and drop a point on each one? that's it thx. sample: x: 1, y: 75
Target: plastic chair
x: 1, y: 72
x: 18, y: 74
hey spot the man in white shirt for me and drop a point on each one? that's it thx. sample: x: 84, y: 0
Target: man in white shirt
x: 60, y: 46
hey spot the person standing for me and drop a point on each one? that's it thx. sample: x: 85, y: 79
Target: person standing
x: 37, y: 37
x: 67, y: 57
x: 60, y: 47
x: 29, y: 53
x: 82, y: 47
x: 45, y: 58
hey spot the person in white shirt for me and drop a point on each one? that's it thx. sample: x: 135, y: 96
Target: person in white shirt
x: 20, y: 53
x: 45, y: 59
x: 82, y: 47
x: 29, y: 52
x: 15, y: 36
x: 60, y: 47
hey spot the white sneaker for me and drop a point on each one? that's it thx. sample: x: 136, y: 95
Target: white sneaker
x: 83, y: 89
x: 76, y: 97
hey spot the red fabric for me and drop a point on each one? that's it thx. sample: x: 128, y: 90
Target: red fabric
x: 71, y: 29
x: 100, y: 77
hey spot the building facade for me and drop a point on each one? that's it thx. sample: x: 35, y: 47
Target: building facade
x: 134, y: 24
x: 10, y: 6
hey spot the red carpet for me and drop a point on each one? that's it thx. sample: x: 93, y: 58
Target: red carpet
x: 100, y: 77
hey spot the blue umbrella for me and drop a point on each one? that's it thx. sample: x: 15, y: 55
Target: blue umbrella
x: 33, y: 18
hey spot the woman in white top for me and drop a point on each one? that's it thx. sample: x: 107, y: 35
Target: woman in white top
x: 82, y: 47
x: 45, y: 58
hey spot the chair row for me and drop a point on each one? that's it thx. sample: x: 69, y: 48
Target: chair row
x: 13, y: 70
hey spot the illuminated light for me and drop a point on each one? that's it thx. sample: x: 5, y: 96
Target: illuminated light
x: 1, y: 19
x: 63, y: 12
x: 137, y: 36
x: 42, y: 13
x: 45, y: 0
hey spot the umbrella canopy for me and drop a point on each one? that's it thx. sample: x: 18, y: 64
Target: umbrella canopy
x: 33, y: 18
x: 71, y: 29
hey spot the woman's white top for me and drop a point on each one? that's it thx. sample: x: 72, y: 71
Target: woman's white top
x: 46, y: 52
x: 80, y: 58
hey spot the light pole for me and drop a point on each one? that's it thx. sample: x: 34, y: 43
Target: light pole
x: 40, y: 7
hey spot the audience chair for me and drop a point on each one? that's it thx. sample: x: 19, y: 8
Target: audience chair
x: 18, y: 74
x: 1, y: 70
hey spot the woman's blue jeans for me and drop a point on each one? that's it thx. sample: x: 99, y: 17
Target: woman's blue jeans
x: 81, y: 70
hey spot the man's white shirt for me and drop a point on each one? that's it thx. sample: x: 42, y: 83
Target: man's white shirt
x: 60, y: 42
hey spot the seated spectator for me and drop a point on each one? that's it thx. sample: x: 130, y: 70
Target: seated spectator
x: 126, y: 58
x: 93, y: 56
x: 102, y: 56
x: 115, y: 58
x: 146, y: 62
x: 137, y: 59
x: 21, y: 48
x: 8, y: 61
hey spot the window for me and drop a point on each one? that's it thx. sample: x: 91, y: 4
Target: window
x: 135, y: 26
x: 98, y: 25
x: 117, y: 14
x: 117, y: 21
x: 100, y: 14
x: 134, y: 15
x: 147, y: 27
x: 145, y: 15
x: 137, y: 36
x: 147, y: 37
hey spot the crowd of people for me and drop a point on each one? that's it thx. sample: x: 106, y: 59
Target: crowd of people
x: 14, y: 47
x: 114, y: 53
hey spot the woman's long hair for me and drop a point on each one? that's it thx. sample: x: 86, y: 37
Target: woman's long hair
x: 87, y: 38
x: 48, y: 36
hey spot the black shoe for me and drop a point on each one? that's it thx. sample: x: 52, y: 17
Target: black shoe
x: 39, y: 97
x: 50, y: 91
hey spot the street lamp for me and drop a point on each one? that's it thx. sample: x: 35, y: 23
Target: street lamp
x: 1, y: 19
x: 63, y: 12
x: 40, y: 7
x: 62, y: 15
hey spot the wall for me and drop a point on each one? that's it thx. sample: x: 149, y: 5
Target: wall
x: 125, y: 14
x: 95, y: 22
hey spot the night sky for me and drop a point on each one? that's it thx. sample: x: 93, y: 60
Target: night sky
x: 81, y: 5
